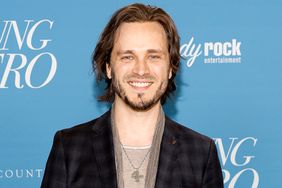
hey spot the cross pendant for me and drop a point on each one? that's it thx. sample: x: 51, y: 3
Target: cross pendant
x: 136, y: 176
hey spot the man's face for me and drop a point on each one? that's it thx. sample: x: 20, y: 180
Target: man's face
x: 139, y: 66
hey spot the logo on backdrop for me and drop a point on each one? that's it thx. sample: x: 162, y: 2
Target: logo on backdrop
x: 18, y: 41
x: 213, y: 52
x: 237, y: 153
x: 21, y: 173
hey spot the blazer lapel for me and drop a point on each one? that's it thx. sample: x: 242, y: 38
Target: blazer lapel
x: 104, y: 150
x: 167, y: 156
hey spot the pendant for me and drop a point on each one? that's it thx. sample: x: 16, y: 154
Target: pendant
x: 136, y: 176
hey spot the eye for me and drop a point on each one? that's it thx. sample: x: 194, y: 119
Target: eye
x: 127, y: 58
x: 154, y: 57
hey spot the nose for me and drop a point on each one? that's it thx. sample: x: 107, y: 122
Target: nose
x: 141, y: 68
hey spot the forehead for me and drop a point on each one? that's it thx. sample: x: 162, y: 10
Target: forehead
x: 140, y: 36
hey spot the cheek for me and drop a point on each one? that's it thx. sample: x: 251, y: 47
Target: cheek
x: 120, y: 73
x: 161, y: 72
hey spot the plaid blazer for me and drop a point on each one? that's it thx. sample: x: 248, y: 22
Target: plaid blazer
x: 83, y: 157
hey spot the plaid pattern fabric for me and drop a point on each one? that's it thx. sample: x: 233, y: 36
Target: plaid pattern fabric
x: 83, y: 157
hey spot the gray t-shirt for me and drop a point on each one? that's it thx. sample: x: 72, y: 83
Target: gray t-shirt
x: 131, y: 177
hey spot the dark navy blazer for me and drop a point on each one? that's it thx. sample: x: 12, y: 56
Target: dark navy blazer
x: 83, y: 157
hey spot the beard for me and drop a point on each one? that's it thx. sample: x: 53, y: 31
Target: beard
x: 140, y: 104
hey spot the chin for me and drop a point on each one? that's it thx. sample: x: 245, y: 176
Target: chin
x: 143, y: 104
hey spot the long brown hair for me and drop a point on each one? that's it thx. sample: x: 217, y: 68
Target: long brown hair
x: 134, y: 13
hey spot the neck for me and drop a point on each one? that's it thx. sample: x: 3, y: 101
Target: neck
x: 135, y: 128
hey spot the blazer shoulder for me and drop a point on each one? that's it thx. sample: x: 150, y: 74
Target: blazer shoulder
x: 87, y: 127
x: 187, y: 133
x: 78, y: 129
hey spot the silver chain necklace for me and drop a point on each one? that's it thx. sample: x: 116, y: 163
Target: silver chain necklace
x: 136, y: 174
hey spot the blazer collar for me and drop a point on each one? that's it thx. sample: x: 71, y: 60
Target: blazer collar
x: 104, y: 150
x: 168, y: 153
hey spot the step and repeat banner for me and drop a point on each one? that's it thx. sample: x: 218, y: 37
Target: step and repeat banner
x: 229, y: 86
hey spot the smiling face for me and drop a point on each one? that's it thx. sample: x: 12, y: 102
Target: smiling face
x: 139, y: 66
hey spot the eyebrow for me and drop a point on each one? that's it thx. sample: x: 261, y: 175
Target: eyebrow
x: 124, y: 52
x: 132, y: 51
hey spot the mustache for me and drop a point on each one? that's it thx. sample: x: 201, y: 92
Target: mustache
x: 140, y: 77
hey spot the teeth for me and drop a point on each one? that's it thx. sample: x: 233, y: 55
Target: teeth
x: 140, y: 84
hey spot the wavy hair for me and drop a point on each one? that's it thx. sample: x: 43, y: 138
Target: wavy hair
x: 134, y: 13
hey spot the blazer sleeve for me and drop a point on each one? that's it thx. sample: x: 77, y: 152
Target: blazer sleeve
x: 213, y: 173
x: 55, y: 175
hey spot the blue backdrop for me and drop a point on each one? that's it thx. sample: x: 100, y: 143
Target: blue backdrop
x: 229, y: 85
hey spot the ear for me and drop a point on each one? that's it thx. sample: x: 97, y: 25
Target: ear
x: 109, y: 70
x: 170, y: 73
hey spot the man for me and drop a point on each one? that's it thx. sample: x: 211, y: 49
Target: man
x: 134, y: 144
